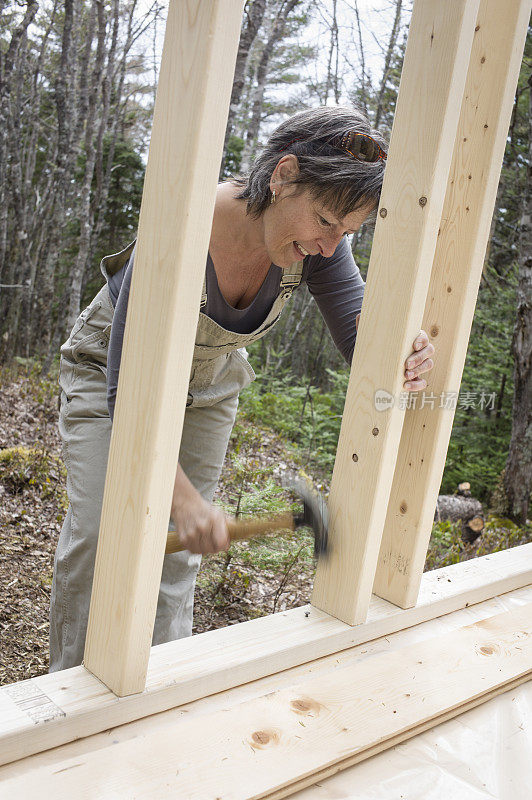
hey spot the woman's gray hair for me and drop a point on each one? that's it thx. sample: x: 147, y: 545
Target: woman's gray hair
x: 338, y: 180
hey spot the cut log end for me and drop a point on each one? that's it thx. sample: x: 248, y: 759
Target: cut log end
x: 476, y: 524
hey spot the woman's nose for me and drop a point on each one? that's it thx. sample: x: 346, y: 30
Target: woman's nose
x: 328, y: 244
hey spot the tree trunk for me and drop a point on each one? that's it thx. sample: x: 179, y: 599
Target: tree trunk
x: 76, y: 275
x: 518, y: 469
x: 54, y: 204
x: 332, y: 74
x: 114, y: 129
x: 276, y: 34
x: 387, y: 61
x: 11, y: 77
x: 363, y: 92
x: 253, y: 16
x: 7, y: 63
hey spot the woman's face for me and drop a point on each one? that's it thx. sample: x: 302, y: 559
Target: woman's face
x: 297, y: 225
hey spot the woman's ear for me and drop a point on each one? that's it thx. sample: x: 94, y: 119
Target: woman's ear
x: 286, y: 170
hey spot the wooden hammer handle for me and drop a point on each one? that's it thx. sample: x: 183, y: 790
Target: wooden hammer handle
x: 241, y: 529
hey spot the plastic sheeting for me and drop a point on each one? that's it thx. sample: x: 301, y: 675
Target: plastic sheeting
x: 483, y: 754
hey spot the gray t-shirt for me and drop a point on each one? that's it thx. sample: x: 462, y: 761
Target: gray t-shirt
x: 335, y: 283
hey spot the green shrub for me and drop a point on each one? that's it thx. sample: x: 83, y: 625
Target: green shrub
x: 22, y: 467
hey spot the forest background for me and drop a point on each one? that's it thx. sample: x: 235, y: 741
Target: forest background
x: 77, y: 87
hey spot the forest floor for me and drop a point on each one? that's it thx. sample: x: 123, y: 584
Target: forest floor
x: 253, y: 579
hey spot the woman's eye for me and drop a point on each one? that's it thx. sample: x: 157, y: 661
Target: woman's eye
x: 323, y: 221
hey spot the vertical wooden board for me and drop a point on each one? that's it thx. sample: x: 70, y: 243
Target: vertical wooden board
x: 486, y: 108
x: 175, y: 220
x: 432, y: 83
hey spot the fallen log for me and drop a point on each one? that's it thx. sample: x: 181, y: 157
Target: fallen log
x: 461, y: 508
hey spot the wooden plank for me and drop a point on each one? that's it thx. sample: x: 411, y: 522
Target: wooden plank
x: 177, y: 205
x: 270, y: 743
x: 392, y: 742
x: 419, y: 158
x: 50, y: 710
x: 457, y: 269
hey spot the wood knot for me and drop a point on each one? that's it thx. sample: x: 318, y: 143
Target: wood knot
x: 354, y: 457
x: 488, y: 649
x: 375, y: 431
x: 383, y: 212
x: 434, y: 331
x: 305, y: 706
x: 264, y: 738
x: 403, y: 507
x: 422, y: 201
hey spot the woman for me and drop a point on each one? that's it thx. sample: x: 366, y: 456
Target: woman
x: 318, y: 178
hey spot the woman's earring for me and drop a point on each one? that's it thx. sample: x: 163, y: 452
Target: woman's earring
x: 272, y: 198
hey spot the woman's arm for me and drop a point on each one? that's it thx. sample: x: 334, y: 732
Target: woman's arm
x: 337, y: 286
x: 338, y: 289
x: 201, y: 526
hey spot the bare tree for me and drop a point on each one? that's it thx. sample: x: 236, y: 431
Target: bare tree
x: 63, y: 101
x: 253, y: 16
x: 12, y: 62
x: 276, y: 33
x: 363, y: 89
x: 332, y: 69
x: 390, y: 50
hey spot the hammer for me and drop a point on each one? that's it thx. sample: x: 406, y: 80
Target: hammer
x: 314, y: 515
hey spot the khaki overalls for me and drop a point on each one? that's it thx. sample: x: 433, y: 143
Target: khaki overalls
x: 220, y: 370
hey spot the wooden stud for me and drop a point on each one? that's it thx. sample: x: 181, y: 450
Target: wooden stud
x: 50, y: 710
x: 175, y: 220
x: 486, y: 108
x: 266, y: 746
x: 432, y: 83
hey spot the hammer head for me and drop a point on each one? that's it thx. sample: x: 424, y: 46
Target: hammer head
x: 314, y: 515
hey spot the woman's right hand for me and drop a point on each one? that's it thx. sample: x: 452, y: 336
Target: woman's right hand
x: 201, y: 527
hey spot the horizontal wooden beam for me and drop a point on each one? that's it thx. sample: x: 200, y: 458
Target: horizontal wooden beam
x: 265, y: 746
x: 52, y: 709
x: 322, y: 774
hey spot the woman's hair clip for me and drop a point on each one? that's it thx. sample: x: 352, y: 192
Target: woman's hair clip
x: 359, y: 145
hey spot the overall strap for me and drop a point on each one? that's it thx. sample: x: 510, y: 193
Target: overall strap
x: 291, y: 279
x: 111, y: 264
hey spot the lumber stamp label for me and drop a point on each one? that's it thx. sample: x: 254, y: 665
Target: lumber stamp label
x: 35, y: 703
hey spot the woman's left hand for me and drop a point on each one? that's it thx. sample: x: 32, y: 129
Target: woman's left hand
x: 418, y: 362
